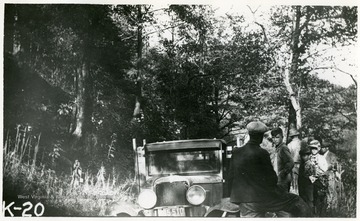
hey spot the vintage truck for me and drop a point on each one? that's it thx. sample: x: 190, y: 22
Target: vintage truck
x: 180, y: 178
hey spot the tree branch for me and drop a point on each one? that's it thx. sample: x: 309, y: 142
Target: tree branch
x: 352, y: 77
x: 253, y: 12
x: 224, y: 113
x: 317, y: 52
x: 227, y: 124
x: 153, y: 32
x: 263, y: 30
x: 333, y: 67
x: 261, y: 26
x: 347, y: 116
x: 161, y: 30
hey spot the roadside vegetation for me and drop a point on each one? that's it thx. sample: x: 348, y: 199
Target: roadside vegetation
x: 81, y: 81
x: 24, y: 181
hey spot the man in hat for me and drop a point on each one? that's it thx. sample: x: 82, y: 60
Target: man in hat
x: 283, y: 163
x: 294, y: 148
x: 253, y: 181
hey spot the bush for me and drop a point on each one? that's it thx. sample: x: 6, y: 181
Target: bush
x: 348, y: 199
x: 55, y: 191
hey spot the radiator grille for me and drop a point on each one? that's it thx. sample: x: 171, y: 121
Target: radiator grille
x: 171, y: 194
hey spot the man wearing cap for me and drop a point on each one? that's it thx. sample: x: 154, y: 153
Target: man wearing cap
x: 284, y: 163
x: 253, y: 181
x: 294, y: 148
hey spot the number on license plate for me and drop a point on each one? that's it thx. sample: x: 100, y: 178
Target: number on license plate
x: 171, y: 211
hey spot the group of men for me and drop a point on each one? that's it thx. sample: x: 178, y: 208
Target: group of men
x: 292, y: 181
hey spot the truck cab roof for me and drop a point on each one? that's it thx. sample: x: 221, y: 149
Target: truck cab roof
x: 185, y: 144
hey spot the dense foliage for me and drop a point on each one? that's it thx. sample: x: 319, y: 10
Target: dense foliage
x: 89, y: 78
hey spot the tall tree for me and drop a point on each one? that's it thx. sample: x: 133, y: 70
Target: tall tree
x: 73, y: 47
x: 302, y: 28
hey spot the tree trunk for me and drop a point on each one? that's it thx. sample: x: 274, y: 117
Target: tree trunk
x: 294, y: 103
x: 137, y: 109
x: 294, y: 107
x: 80, y: 101
x: 291, y: 121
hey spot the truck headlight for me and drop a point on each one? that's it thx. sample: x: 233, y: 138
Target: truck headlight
x: 196, y: 195
x: 147, y: 199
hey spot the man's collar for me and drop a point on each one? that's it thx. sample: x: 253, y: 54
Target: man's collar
x: 326, y: 153
x: 252, y: 141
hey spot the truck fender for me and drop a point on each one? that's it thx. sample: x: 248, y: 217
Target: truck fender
x: 124, y: 209
x: 221, y: 209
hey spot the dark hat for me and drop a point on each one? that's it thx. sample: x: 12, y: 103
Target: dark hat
x: 304, y: 150
x: 325, y: 144
x: 256, y: 127
x: 276, y: 131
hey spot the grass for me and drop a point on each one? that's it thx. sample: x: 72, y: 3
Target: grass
x: 54, y: 191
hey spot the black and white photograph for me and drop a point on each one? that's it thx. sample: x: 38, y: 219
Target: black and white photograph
x: 162, y: 109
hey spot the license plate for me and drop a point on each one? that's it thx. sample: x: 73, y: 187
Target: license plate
x: 177, y: 211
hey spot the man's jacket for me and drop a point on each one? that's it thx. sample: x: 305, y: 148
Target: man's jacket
x: 251, y: 175
x: 285, y: 163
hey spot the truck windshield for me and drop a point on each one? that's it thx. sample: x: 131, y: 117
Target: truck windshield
x: 184, y: 162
